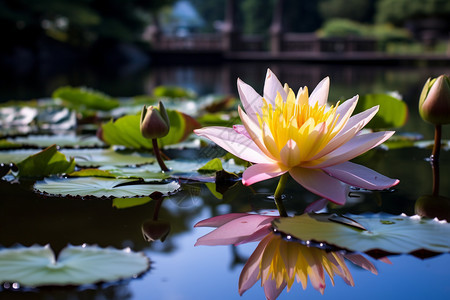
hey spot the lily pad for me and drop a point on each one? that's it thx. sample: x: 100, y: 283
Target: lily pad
x: 393, y: 112
x: 374, y: 232
x: 48, y: 161
x: 102, y: 157
x: 62, y: 140
x: 125, y: 131
x: 173, y: 92
x: 84, y: 98
x: 102, y: 187
x: 121, y: 203
x: 177, y: 167
x: 76, y: 265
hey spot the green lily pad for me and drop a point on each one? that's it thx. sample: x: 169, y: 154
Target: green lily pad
x: 62, y: 140
x: 82, y: 98
x: 48, y: 161
x: 92, y: 172
x: 17, y: 116
x: 121, y: 203
x: 76, y: 265
x: 102, y: 187
x: 102, y: 157
x: 125, y: 131
x: 173, y: 92
x: 393, y: 112
x: 6, y: 144
x: 211, y: 166
x: 177, y: 168
x: 370, y: 232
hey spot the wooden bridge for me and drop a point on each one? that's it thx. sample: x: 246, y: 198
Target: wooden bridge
x: 231, y: 44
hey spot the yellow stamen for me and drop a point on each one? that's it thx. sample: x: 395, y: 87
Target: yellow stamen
x: 310, y: 127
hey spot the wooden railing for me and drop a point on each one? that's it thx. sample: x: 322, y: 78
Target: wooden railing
x: 290, y: 42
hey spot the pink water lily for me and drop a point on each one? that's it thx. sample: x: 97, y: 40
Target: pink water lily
x: 282, y: 132
x: 276, y: 262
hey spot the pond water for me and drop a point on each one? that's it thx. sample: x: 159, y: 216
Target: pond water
x: 178, y: 269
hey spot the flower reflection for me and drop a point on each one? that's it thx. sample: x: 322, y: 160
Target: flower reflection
x: 300, y: 135
x: 276, y: 261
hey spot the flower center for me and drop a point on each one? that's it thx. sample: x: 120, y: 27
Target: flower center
x: 295, y: 131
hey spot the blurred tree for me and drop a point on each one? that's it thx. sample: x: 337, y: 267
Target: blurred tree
x: 257, y: 15
x: 301, y: 16
x: 79, y: 22
x: 212, y: 11
x: 400, y: 11
x: 361, y: 10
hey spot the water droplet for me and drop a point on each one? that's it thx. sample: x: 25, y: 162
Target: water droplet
x: 288, y: 237
x: 15, y: 285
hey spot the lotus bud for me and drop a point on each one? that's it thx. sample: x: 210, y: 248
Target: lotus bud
x: 154, y: 230
x: 433, y: 207
x: 154, y: 122
x: 434, y: 103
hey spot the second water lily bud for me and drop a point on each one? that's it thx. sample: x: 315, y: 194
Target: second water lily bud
x: 154, y: 230
x: 154, y: 122
x: 434, y: 103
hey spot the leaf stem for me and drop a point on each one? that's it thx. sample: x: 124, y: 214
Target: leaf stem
x: 161, y: 163
x: 278, y: 196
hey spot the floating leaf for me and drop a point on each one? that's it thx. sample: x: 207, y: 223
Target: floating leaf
x: 121, y: 203
x: 172, y: 92
x: 6, y: 144
x: 102, y: 187
x: 385, y: 232
x: 211, y: 166
x: 48, y: 161
x: 62, y: 140
x: 126, y: 131
x: 17, y: 116
x: 177, y: 168
x: 84, y: 98
x: 393, y: 112
x: 102, y: 157
x: 91, y: 172
x: 76, y: 265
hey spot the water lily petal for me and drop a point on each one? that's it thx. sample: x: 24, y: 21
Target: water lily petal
x: 251, y: 100
x: 271, y: 290
x: 272, y: 87
x: 347, y: 105
x: 255, y: 132
x: 316, y: 205
x: 261, y: 172
x: 360, y: 120
x: 290, y: 154
x: 219, y: 220
x: 320, y: 183
x: 235, y: 143
x: 362, y: 262
x: 236, y: 230
x: 344, y: 111
x: 250, y: 272
x: 320, y: 93
x: 356, y: 146
x: 241, y: 130
x: 360, y: 176
x: 350, y: 129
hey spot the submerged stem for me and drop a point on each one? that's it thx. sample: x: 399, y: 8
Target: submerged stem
x: 161, y: 163
x: 279, y: 193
